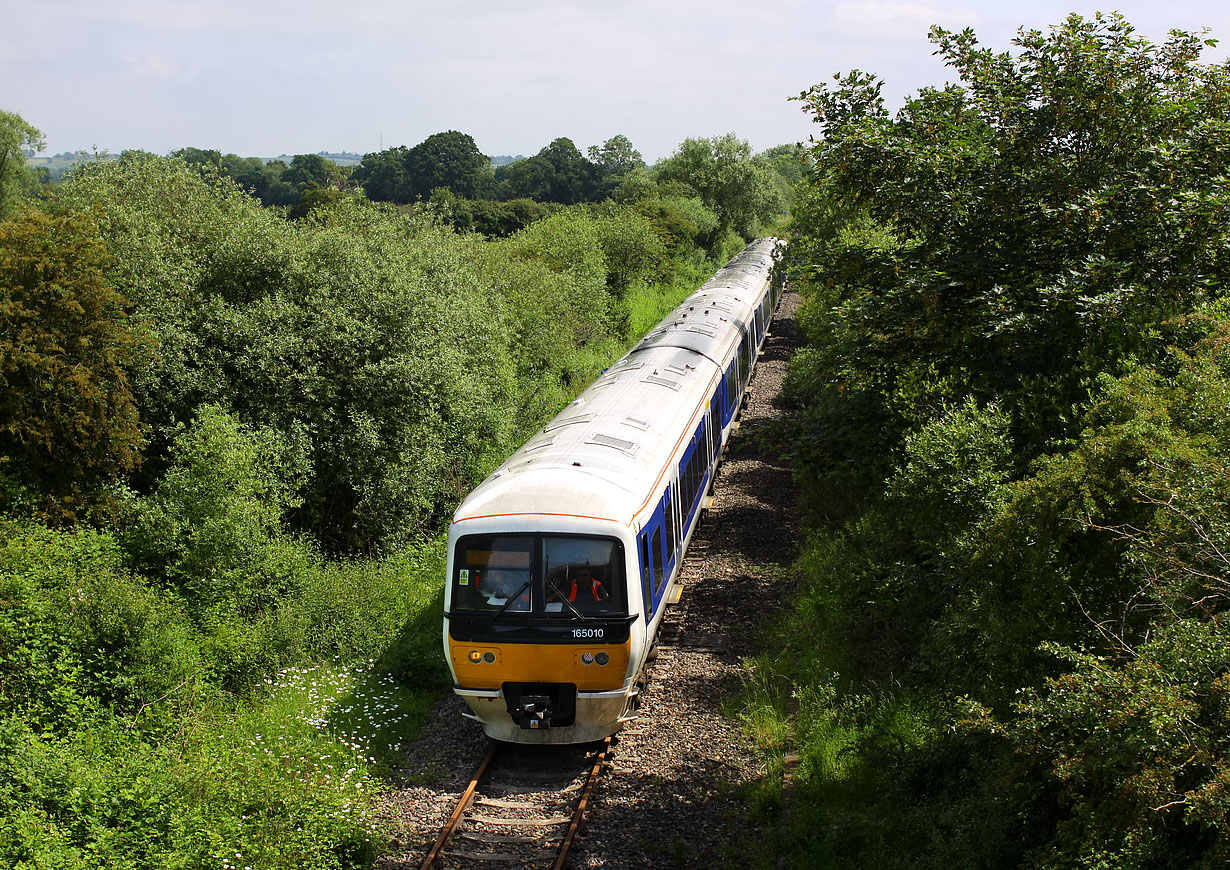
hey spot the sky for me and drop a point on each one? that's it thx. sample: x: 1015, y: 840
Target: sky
x: 271, y: 77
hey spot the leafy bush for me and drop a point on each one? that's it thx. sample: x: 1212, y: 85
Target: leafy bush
x: 80, y: 630
x: 213, y: 525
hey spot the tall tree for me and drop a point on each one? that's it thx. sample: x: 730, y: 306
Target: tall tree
x: 309, y: 169
x: 199, y: 156
x: 68, y: 420
x: 16, y: 138
x: 248, y: 172
x: 450, y: 160
x: 383, y: 175
x: 616, y: 155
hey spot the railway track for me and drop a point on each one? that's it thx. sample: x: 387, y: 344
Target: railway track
x: 524, y: 807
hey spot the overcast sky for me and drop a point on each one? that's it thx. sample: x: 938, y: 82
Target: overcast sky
x: 270, y: 77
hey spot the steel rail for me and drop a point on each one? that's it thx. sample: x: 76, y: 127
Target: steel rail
x: 455, y: 819
x: 578, y: 815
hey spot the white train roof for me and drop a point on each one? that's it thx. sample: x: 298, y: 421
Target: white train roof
x: 606, y: 453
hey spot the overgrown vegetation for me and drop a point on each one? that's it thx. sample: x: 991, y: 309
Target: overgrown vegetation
x: 230, y: 436
x: 1009, y: 647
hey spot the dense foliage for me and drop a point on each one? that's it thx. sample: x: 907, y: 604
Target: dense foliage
x: 229, y: 438
x: 1010, y: 645
x: 68, y: 419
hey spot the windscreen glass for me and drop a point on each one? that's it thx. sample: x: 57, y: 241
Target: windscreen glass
x: 554, y: 576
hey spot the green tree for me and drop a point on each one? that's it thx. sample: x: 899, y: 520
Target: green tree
x: 365, y: 334
x: 616, y: 156
x: 248, y: 172
x: 1044, y: 219
x: 450, y: 160
x: 789, y: 165
x: 383, y: 175
x: 313, y: 169
x: 199, y: 157
x: 274, y: 189
x: 68, y: 419
x: 16, y: 137
x: 557, y: 173
x: 723, y: 174
x: 1012, y: 412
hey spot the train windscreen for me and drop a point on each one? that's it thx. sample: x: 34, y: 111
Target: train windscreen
x: 566, y: 577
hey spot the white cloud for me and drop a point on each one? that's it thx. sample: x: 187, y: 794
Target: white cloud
x: 882, y: 20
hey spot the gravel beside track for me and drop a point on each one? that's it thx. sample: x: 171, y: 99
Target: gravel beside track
x: 671, y: 798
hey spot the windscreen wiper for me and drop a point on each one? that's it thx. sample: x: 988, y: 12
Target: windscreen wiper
x: 510, y: 599
x: 560, y: 592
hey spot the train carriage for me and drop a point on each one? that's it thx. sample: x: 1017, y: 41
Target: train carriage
x: 561, y: 563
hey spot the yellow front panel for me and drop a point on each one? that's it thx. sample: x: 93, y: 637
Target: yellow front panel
x: 538, y: 663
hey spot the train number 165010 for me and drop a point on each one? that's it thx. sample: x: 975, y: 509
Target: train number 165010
x: 587, y: 632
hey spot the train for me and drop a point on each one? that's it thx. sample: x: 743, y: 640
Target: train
x: 562, y: 562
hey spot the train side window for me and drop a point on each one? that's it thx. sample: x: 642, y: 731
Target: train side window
x: 698, y: 452
x: 730, y: 392
x: 686, y: 480
x: 655, y: 551
x: 692, y: 466
x: 647, y: 583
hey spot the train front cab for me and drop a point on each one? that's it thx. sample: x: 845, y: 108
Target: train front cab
x: 544, y: 640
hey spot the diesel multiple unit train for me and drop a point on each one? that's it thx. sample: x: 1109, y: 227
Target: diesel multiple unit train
x: 561, y: 563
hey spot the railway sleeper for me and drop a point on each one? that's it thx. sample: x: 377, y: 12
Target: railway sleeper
x: 513, y: 823
x: 499, y: 839
x: 506, y: 804
x: 502, y: 857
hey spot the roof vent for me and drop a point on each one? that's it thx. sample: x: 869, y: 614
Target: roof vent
x: 628, y: 447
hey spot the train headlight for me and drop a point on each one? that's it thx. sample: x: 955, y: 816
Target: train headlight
x: 602, y: 658
x: 476, y: 656
x: 489, y: 657
x: 587, y: 658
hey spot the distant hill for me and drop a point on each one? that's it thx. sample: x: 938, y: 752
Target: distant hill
x: 57, y: 164
x: 341, y: 158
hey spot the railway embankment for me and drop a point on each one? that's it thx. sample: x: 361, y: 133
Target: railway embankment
x: 675, y: 793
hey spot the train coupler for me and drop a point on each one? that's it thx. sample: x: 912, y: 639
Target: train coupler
x: 537, y: 706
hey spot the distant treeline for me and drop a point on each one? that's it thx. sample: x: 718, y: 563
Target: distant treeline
x: 498, y: 197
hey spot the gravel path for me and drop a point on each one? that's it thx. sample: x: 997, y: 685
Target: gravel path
x: 671, y: 798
